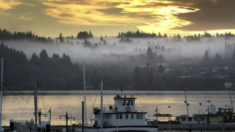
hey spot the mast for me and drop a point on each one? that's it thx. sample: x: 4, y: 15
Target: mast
x: 1, y: 92
x: 231, y: 99
x: 82, y: 116
x: 35, y: 105
x: 186, y: 102
x: 101, y: 107
x: 84, y: 85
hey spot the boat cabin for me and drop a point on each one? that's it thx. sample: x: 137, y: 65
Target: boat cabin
x: 123, y: 113
x: 195, y: 119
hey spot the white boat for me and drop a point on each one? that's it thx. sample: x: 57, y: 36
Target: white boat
x: 122, y: 117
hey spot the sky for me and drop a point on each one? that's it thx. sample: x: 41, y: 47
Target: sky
x: 108, y: 17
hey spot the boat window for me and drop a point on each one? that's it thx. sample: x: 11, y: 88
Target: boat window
x: 190, y: 119
x: 183, y: 119
x: 141, y: 116
x: 117, y: 116
x: 127, y: 102
x: 126, y: 116
x: 132, y: 116
x: 123, y: 102
x: 120, y: 116
x: 131, y: 102
x: 137, y: 116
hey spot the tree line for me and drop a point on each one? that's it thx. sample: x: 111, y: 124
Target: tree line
x: 59, y: 73
x: 28, y: 35
x: 140, y: 34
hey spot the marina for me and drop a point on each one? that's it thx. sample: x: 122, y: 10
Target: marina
x: 21, y: 107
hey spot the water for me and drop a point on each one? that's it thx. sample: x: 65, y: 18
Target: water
x: 21, y: 107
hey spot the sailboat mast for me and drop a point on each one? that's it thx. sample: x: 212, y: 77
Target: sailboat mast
x: 101, y: 107
x: 35, y: 106
x: 84, y: 85
x: 186, y: 102
x: 1, y: 92
x: 231, y: 99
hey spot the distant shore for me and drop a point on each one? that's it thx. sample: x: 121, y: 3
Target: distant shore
x: 110, y: 92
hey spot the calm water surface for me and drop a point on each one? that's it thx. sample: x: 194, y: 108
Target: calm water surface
x: 21, y: 107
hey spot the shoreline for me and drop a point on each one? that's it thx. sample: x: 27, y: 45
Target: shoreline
x: 111, y: 92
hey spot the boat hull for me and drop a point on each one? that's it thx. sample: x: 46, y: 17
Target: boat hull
x: 119, y: 129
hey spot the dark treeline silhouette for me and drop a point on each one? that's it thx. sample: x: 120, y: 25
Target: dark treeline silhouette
x: 84, y: 35
x: 51, y: 72
x: 140, y: 34
x: 7, y: 35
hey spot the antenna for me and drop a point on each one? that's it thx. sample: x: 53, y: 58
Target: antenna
x: 121, y: 91
x: 186, y: 102
x: 67, y: 118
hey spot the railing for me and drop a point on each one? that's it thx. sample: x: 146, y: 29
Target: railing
x: 137, y: 109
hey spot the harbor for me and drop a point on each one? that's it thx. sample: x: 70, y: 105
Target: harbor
x: 21, y: 108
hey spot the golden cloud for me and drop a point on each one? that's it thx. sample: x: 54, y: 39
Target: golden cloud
x: 8, y: 4
x: 27, y: 16
x: 78, y: 14
x: 162, y: 14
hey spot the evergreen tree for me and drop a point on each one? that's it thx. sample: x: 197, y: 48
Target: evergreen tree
x: 161, y: 59
x: 34, y: 59
x: 217, y: 57
x: 161, y: 69
x: 136, y: 75
x: 206, y: 56
x: 43, y: 55
x: 234, y: 55
x: 84, y: 35
x: 90, y: 35
x: 61, y: 38
x: 149, y: 53
x: 150, y: 79
x: 159, y: 35
x: 101, y: 38
x: 165, y: 36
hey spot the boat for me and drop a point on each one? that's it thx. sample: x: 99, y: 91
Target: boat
x: 223, y: 115
x: 122, y: 117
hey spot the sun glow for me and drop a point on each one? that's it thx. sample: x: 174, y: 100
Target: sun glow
x: 148, y: 16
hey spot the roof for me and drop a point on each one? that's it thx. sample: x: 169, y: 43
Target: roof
x: 125, y: 97
x: 124, y: 112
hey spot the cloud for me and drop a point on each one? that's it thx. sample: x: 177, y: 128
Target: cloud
x: 213, y: 15
x: 27, y: 16
x: 161, y: 14
x: 87, y: 14
x: 29, y: 4
x: 8, y: 4
x: 170, y: 16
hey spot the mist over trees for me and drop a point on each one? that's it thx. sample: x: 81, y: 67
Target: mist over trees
x: 171, y: 63
x: 140, y: 72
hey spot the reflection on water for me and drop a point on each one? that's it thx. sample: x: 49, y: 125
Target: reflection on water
x: 21, y: 107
